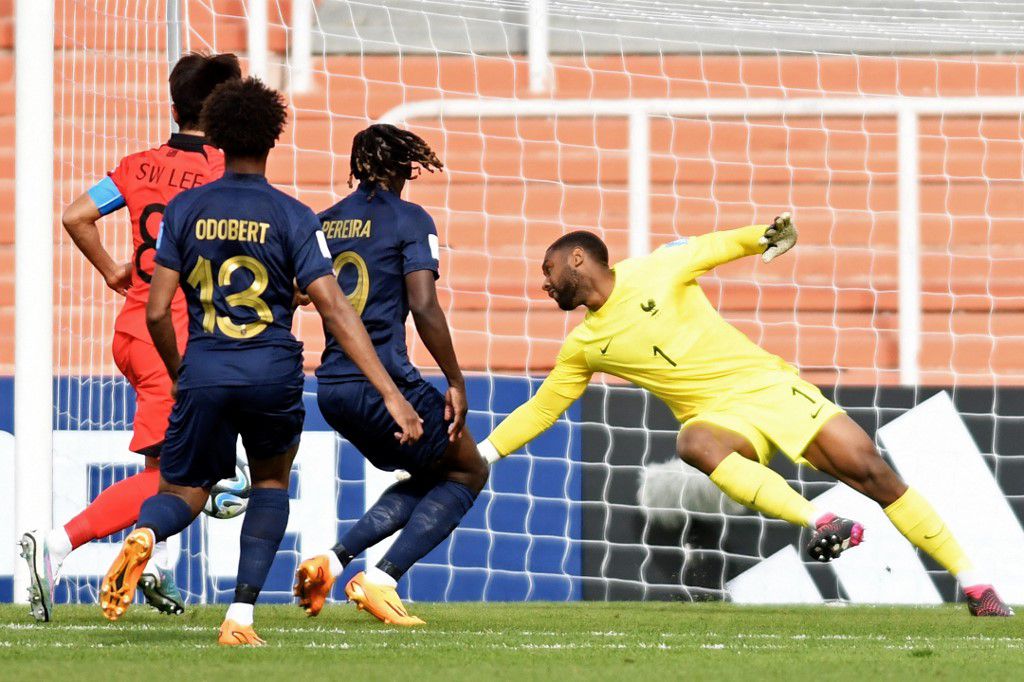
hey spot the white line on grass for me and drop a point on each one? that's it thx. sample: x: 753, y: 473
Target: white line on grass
x: 386, y: 632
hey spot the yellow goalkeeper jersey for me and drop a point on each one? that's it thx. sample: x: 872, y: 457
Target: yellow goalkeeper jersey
x: 659, y: 331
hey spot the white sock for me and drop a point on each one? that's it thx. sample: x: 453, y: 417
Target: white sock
x: 971, y: 578
x: 59, y: 544
x: 379, y: 577
x: 240, y: 613
x: 334, y: 563
x: 159, y: 557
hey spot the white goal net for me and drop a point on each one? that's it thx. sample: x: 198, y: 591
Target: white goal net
x: 892, y: 130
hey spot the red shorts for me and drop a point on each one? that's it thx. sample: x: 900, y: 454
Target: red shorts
x: 145, y: 371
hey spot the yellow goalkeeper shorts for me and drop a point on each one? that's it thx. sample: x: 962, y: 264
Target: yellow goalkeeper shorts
x: 782, y: 412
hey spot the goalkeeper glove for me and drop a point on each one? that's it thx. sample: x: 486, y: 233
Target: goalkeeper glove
x: 779, y: 238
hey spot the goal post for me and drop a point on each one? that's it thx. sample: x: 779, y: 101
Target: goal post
x: 35, y: 209
x: 34, y: 237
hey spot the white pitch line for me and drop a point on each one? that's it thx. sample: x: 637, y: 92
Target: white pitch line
x: 331, y: 646
x: 400, y: 639
x: 342, y: 646
x: 171, y: 627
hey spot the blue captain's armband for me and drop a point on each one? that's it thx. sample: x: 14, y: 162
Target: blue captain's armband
x: 106, y: 196
x: 682, y: 241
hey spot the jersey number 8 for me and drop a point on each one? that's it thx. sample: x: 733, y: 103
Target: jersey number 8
x: 201, y: 278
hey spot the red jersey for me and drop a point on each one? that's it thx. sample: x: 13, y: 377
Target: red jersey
x: 147, y: 181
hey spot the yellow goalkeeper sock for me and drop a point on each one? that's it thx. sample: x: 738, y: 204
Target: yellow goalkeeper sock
x: 919, y: 523
x: 758, y: 487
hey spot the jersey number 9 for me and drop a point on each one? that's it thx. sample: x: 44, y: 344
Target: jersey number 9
x: 201, y: 278
x: 357, y: 297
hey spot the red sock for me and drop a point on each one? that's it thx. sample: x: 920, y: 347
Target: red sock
x: 114, y: 509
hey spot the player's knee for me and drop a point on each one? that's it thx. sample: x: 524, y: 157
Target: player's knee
x: 700, y: 449
x: 882, y: 483
x: 466, y: 466
x: 478, y: 474
x: 480, y: 479
x: 474, y: 480
x: 274, y: 472
x: 873, y: 475
x: 195, y: 498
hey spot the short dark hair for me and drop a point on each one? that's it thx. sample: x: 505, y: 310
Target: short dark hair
x: 588, y: 241
x: 244, y: 117
x: 194, y: 77
x: 384, y: 153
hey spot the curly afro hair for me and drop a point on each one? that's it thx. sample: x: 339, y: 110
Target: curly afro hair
x: 384, y: 153
x: 244, y: 118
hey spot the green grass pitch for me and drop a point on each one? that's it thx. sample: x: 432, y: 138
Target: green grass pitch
x: 595, y: 641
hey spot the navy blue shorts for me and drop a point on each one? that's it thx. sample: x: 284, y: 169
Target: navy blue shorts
x: 355, y: 409
x: 205, y: 423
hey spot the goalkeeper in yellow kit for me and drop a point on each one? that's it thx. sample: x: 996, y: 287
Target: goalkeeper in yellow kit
x: 649, y: 322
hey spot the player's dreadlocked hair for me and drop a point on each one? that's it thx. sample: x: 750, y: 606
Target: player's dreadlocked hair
x: 384, y: 153
x: 244, y: 118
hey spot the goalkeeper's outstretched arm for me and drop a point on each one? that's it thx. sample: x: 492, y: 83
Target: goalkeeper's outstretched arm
x: 563, y: 386
x: 710, y: 250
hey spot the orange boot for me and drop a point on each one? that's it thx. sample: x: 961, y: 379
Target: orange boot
x: 380, y: 601
x: 313, y: 583
x: 233, y: 634
x: 118, y: 587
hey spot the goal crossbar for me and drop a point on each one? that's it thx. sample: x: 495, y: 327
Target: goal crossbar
x: 907, y: 111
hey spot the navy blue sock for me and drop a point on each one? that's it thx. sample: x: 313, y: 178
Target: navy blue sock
x: 388, y: 515
x: 165, y: 515
x: 266, y: 518
x: 434, y: 519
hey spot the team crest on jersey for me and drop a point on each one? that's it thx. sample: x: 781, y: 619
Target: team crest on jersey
x: 649, y: 307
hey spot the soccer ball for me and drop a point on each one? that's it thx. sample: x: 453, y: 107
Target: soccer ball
x: 230, y: 496
x: 670, y: 491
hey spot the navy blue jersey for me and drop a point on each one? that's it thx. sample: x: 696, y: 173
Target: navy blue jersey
x: 374, y: 243
x: 239, y: 244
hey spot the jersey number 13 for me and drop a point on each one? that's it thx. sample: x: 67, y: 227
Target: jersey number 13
x: 201, y: 278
